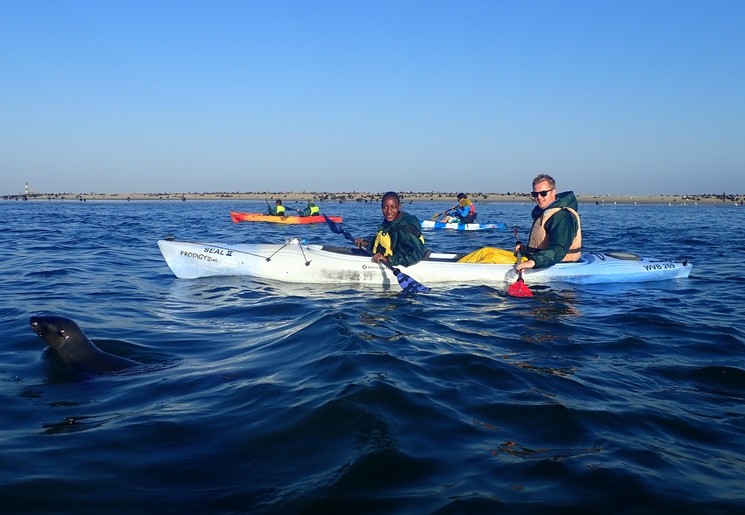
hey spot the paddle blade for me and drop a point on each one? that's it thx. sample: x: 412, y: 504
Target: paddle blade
x: 519, y: 289
x: 335, y: 227
x: 332, y: 225
x: 408, y: 285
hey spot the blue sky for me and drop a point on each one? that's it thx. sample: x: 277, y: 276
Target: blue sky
x: 631, y: 97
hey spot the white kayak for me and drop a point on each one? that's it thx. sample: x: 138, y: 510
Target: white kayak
x: 297, y: 262
x: 432, y: 224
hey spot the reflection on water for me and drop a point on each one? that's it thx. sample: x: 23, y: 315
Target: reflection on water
x: 520, y: 451
x: 550, y: 304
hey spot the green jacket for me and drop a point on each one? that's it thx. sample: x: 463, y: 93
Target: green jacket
x: 310, y: 210
x: 404, y: 231
x: 561, y: 229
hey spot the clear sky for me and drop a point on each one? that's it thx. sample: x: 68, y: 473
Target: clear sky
x: 629, y: 97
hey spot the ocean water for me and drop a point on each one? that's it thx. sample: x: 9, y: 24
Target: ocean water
x: 262, y: 397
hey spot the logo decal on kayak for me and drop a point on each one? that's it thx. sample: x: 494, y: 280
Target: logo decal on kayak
x: 198, y: 256
x: 222, y: 252
x: 659, y: 266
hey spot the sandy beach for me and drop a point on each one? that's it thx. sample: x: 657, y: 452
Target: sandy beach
x: 375, y: 197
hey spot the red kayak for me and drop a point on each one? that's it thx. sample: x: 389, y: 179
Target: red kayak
x: 260, y: 217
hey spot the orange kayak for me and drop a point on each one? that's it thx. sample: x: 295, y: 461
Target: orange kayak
x: 260, y: 217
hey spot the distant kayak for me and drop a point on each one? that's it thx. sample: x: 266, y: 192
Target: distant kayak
x: 431, y: 224
x: 260, y: 217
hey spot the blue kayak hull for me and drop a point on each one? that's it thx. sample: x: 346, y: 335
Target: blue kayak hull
x: 431, y: 224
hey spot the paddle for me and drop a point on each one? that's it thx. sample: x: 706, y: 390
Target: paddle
x: 519, y: 288
x: 408, y: 284
x: 438, y: 215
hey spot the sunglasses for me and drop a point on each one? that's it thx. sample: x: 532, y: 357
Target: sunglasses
x: 543, y: 193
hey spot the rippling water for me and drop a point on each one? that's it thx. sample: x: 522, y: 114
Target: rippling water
x: 272, y: 398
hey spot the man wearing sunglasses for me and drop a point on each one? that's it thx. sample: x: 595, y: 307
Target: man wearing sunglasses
x: 556, y: 235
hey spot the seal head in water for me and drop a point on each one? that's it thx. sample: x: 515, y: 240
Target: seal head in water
x: 71, y: 344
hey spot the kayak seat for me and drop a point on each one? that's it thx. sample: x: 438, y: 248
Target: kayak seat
x: 449, y: 258
x: 623, y: 255
x: 349, y: 251
x: 354, y: 251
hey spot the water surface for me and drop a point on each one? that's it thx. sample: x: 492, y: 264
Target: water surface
x: 275, y: 398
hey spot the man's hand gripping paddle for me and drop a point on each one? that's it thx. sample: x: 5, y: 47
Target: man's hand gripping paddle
x: 438, y: 215
x: 519, y: 288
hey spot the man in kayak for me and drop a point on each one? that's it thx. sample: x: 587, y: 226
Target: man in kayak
x: 278, y: 209
x: 399, y: 240
x: 556, y: 235
x: 310, y: 210
x: 465, y: 211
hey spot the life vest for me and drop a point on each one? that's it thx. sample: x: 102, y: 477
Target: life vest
x: 279, y: 210
x: 383, y: 242
x: 314, y: 209
x: 467, y: 202
x: 539, y: 239
x: 472, y: 213
x: 464, y: 219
